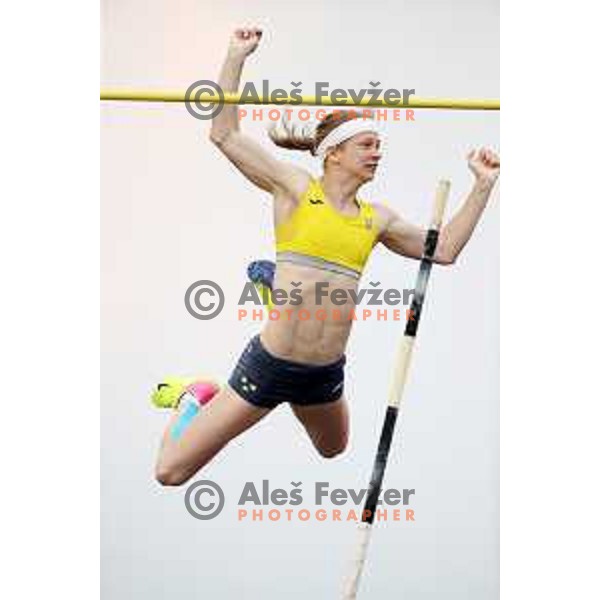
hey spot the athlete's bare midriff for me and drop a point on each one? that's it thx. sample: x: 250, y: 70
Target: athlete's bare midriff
x: 314, y: 331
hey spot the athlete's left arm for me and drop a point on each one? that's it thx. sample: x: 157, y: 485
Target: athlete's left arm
x: 408, y: 240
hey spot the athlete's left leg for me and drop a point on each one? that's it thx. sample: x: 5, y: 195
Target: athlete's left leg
x: 328, y: 425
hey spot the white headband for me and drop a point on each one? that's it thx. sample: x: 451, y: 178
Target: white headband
x: 344, y: 132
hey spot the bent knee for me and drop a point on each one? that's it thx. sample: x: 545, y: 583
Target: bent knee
x: 170, y: 476
x: 333, y: 450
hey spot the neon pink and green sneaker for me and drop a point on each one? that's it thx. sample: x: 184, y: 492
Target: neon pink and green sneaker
x: 168, y: 393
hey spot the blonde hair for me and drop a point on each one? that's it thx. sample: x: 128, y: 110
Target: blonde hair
x: 307, y: 136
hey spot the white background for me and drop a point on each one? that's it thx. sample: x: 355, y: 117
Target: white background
x: 50, y: 526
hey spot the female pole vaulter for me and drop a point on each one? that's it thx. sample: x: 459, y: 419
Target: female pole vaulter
x: 324, y: 234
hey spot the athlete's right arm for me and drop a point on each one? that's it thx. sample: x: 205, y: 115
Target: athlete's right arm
x: 247, y: 155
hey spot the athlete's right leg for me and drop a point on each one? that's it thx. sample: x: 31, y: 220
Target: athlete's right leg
x: 194, y: 435
x: 185, y: 450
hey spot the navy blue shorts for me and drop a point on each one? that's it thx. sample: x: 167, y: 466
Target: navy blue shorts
x: 266, y: 380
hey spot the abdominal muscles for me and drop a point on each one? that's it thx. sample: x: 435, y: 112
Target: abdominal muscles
x: 310, y: 327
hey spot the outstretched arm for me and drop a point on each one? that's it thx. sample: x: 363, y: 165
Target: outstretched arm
x: 404, y: 238
x: 247, y: 155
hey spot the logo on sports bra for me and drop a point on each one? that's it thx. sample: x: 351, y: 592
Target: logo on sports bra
x: 316, y: 201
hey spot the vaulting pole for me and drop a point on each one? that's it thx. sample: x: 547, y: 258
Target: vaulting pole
x: 400, y: 372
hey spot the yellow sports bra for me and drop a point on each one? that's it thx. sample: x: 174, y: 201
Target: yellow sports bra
x: 318, y: 235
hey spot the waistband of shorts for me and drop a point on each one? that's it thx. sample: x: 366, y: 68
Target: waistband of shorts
x: 275, y: 361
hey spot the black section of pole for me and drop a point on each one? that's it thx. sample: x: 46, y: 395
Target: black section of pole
x: 383, y: 451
